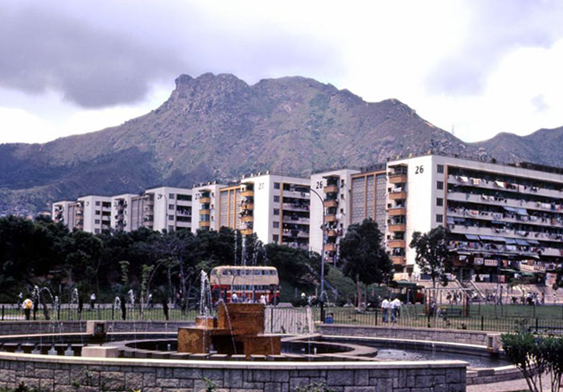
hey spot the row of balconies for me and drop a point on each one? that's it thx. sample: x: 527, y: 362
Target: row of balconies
x: 508, y: 187
x: 493, y: 201
x: 507, y: 219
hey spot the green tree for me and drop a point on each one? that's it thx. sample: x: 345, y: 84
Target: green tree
x: 363, y: 256
x: 432, y: 254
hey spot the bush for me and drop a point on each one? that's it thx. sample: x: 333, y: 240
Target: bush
x: 535, y: 356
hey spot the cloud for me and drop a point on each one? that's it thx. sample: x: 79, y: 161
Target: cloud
x: 493, y: 29
x: 110, y: 53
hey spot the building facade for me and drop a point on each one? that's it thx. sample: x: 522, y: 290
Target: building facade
x: 503, y: 218
x: 205, y: 206
x: 331, y: 195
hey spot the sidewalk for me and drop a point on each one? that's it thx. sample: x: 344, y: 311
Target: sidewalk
x: 507, y: 386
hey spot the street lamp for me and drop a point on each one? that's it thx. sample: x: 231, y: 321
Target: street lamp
x: 322, y: 257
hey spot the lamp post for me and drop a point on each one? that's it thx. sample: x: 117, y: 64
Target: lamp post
x: 322, y: 257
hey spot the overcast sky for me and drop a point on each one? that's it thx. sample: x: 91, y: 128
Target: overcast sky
x: 474, y: 67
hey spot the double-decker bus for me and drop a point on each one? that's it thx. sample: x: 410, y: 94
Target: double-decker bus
x: 245, y: 284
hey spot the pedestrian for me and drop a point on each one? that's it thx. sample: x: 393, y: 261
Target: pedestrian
x: 385, y: 306
x: 27, y: 305
x: 395, y: 308
x: 92, y: 301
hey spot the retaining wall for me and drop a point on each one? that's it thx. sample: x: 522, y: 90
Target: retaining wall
x: 393, y: 331
x: 93, y: 374
x: 37, y: 327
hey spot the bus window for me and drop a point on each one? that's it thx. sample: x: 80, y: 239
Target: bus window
x: 274, y: 273
x: 226, y: 272
x: 258, y: 272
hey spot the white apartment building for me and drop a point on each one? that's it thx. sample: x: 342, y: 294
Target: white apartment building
x: 166, y: 208
x: 331, y: 215
x: 121, y: 212
x: 274, y: 207
x: 205, y: 206
x: 95, y: 212
x: 64, y: 212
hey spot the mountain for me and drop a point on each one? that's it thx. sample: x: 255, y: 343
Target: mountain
x: 219, y: 127
x: 542, y: 146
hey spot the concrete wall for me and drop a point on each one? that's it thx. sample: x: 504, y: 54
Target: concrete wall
x: 434, y: 334
x: 93, y: 374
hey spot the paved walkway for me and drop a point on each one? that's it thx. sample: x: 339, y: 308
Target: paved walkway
x: 507, y: 386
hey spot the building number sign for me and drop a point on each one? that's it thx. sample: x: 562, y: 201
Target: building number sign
x: 419, y: 169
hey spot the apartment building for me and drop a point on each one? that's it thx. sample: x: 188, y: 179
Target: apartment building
x: 331, y: 194
x: 504, y: 219
x: 166, y: 208
x: 274, y: 207
x: 93, y: 214
x: 121, y: 215
x: 205, y: 207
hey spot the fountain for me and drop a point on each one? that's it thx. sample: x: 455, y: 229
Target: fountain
x: 238, y: 329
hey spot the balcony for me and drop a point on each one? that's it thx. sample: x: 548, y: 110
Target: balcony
x: 397, y: 195
x: 331, y: 189
x: 246, y: 231
x: 397, y: 178
x: 399, y: 211
x: 247, y: 206
x: 330, y: 203
x: 330, y: 247
x: 205, y: 212
x: 205, y: 200
x: 247, y: 218
x: 332, y: 233
x: 331, y: 218
x: 204, y: 224
x: 397, y: 227
x: 247, y: 193
x: 398, y: 260
x: 396, y: 243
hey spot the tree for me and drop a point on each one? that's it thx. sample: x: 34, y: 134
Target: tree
x: 364, y: 257
x: 432, y: 253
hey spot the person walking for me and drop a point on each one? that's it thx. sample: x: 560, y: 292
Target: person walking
x: 92, y: 301
x: 385, y: 306
x: 27, y: 306
x: 395, y: 307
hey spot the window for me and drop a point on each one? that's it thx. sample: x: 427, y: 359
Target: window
x: 276, y: 199
x: 170, y: 228
x: 97, y: 231
x: 439, y: 218
x: 170, y: 206
x: 276, y: 185
x: 171, y: 196
x: 440, y: 202
x: 276, y: 238
x: 342, y: 195
x: 440, y: 185
x: 171, y: 217
x: 97, y: 221
x: 276, y: 211
x: 276, y: 225
x: 97, y: 212
x: 98, y: 203
x: 440, y: 169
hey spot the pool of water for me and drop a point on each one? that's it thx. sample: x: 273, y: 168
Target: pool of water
x: 476, y: 361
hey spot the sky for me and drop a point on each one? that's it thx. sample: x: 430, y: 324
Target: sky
x: 471, y: 67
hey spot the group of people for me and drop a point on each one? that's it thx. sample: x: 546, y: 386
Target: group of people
x: 390, y: 309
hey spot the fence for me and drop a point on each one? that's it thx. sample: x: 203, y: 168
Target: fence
x: 507, y: 320
x: 66, y: 312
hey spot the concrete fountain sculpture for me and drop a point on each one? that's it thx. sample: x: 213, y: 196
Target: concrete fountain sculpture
x: 238, y: 329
